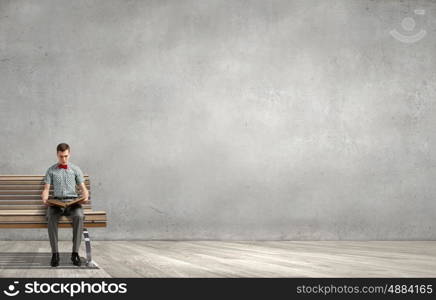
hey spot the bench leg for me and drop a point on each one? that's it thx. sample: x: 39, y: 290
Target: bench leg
x: 89, y: 261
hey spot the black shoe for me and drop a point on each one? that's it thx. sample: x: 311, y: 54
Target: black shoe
x: 55, y: 259
x: 75, y: 258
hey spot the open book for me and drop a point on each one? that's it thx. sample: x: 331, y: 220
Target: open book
x: 62, y: 203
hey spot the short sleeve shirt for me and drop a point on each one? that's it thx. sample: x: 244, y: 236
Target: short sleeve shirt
x: 64, y: 180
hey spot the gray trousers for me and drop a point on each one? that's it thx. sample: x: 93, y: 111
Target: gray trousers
x: 75, y: 214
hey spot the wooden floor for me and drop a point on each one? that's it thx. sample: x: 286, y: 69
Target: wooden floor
x: 225, y: 259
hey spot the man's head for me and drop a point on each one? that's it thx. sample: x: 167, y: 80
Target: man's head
x: 63, y: 153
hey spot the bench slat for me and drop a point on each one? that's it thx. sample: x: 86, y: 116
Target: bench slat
x: 28, y: 187
x: 22, y: 197
x: 40, y: 217
x: 34, y: 212
x: 28, y: 192
x: 43, y: 220
x: 35, y: 206
x: 24, y: 178
x: 24, y: 202
x: 4, y: 189
x: 32, y: 207
x: 30, y: 182
x: 28, y: 176
x: 44, y: 211
x: 26, y: 181
x: 5, y: 203
x: 42, y: 225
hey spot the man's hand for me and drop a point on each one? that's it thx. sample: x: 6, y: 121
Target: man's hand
x: 84, y: 201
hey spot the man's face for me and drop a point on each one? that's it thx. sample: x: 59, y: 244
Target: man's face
x: 63, y: 156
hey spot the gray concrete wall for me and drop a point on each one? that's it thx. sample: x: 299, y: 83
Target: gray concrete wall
x: 228, y: 119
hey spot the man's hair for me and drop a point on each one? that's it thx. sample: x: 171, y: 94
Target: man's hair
x: 62, y: 147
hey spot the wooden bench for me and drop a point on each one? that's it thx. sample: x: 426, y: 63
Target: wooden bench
x: 21, y: 207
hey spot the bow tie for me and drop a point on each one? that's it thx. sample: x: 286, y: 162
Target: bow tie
x: 62, y: 166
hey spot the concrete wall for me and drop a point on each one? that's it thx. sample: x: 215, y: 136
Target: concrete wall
x: 228, y: 119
